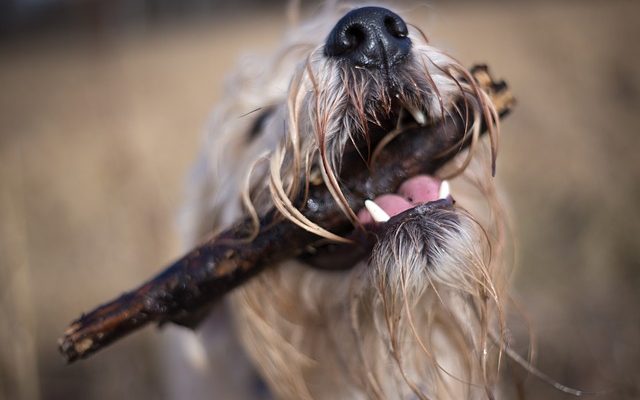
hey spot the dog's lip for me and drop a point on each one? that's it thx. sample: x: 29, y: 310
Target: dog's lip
x: 379, y: 227
x: 446, y: 202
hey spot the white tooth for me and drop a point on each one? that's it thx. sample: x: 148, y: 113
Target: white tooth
x: 378, y: 214
x: 445, y: 191
x: 419, y: 116
x: 194, y: 350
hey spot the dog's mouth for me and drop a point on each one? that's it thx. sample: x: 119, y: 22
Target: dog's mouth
x: 416, y: 191
x: 420, y: 190
x: 380, y: 214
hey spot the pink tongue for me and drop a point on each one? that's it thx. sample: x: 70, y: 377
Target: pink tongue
x: 420, y: 189
x: 417, y: 190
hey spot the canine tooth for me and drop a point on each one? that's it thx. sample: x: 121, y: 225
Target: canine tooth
x: 419, y: 116
x: 378, y: 214
x: 445, y: 190
x: 194, y: 350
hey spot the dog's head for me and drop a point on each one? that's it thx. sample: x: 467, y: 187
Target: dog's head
x: 414, y: 313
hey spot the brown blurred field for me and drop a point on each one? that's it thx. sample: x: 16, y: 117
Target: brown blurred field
x: 97, y: 132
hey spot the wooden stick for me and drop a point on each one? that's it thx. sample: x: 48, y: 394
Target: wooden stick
x: 184, y: 291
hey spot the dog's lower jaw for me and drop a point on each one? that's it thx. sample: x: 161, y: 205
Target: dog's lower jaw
x: 406, y: 324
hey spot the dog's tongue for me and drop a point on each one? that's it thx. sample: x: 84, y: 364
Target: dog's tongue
x: 414, y: 191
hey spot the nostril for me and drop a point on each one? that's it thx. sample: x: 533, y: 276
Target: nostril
x: 395, y: 26
x: 354, y: 36
x: 345, y: 40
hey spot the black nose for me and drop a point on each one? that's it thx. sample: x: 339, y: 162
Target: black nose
x: 371, y: 37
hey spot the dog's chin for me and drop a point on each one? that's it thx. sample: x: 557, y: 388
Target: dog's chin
x: 420, y: 246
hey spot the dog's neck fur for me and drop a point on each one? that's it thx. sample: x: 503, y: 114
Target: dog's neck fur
x: 395, y: 326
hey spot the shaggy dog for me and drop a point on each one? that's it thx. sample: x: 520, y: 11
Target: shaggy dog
x: 422, y: 314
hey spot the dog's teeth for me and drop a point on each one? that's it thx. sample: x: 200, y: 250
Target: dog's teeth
x: 445, y: 191
x: 419, y: 116
x: 377, y: 213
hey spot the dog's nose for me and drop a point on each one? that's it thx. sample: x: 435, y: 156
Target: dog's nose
x: 372, y: 37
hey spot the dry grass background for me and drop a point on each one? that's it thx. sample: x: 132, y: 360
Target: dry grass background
x: 97, y: 133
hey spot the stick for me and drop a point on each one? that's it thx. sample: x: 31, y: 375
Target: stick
x: 184, y: 291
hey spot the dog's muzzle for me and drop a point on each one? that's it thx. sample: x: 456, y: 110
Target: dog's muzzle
x: 376, y: 39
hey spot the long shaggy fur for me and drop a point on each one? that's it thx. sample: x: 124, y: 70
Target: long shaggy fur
x: 422, y: 317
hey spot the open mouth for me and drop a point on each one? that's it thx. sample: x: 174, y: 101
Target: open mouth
x: 415, y: 191
x: 415, y: 199
x: 412, y: 192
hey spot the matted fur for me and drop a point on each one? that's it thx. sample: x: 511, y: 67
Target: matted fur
x: 416, y: 320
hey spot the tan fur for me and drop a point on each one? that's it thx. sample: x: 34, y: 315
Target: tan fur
x: 399, y: 326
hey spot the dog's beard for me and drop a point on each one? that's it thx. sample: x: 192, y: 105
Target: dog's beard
x: 412, y: 318
x: 419, y: 306
x: 422, y: 246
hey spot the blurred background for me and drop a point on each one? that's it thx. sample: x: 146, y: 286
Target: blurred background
x: 102, y: 105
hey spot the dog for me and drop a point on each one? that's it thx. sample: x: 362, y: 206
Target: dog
x: 421, y: 315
